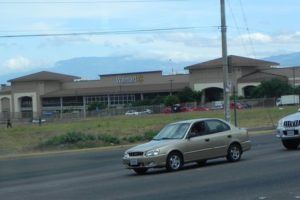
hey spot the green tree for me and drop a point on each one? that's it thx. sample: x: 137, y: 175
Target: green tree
x: 189, y: 95
x: 197, y: 96
x: 148, y: 102
x: 186, y: 95
x: 171, y: 100
x: 144, y: 102
x: 272, y: 88
x: 297, y: 90
x: 158, y: 100
x: 96, y: 106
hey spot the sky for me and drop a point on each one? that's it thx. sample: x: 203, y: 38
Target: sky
x: 133, y: 28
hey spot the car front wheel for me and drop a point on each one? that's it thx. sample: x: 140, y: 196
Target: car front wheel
x: 290, y: 144
x: 174, y: 161
x: 234, y: 153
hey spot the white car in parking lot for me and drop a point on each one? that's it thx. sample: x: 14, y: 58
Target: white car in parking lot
x: 134, y: 112
x: 288, y: 130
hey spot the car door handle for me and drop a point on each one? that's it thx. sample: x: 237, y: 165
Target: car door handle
x: 207, y: 140
x: 229, y: 136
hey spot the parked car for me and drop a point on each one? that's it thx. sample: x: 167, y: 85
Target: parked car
x: 176, y: 108
x: 38, y: 121
x: 237, y: 105
x: 188, y: 141
x: 245, y: 105
x: 143, y: 112
x: 166, y: 110
x: 132, y: 112
x: 179, y: 108
x: 217, y: 105
x: 147, y: 111
x: 200, y: 108
x: 288, y: 130
x: 185, y: 109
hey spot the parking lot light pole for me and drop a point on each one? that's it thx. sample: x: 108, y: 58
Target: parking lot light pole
x: 226, y: 87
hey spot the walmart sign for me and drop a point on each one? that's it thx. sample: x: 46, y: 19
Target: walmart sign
x: 129, y: 79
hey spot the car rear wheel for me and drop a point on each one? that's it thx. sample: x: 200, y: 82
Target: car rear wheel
x: 234, y: 153
x: 290, y: 144
x: 174, y: 161
x: 140, y: 170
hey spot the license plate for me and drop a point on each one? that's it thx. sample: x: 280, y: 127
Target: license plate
x: 290, y: 133
x: 133, y: 162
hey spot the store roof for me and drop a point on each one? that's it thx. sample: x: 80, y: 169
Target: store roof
x: 233, y: 61
x: 45, y: 76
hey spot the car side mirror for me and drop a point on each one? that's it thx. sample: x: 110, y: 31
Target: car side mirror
x: 190, y: 135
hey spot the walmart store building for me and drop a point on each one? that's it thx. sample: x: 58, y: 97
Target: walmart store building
x: 29, y: 96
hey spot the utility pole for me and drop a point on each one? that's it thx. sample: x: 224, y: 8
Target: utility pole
x: 171, y: 86
x: 226, y: 87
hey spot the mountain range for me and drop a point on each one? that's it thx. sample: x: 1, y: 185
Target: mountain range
x: 286, y: 60
x: 91, y: 67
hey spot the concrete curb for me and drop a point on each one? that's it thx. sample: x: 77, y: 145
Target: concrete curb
x: 261, y: 130
x: 266, y: 128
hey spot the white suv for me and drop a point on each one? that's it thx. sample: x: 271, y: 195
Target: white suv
x: 288, y: 130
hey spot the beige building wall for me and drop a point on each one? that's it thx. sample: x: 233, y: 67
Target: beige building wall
x: 206, y: 76
x: 49, y: 86
x: 33, y: 89
x: 139, y: 79
x: 2, y: 97
x: 203, y: 86
x: 17, y: 103
x: 241, y: 86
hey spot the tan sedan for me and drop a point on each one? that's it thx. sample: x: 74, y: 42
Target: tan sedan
x: 188, y: 141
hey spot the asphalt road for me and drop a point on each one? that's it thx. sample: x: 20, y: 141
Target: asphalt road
x: 268, y: 171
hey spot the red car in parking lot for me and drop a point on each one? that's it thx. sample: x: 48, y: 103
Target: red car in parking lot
x: 177, y: 108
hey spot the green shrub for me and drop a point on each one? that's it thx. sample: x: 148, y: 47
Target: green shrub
x: 135, y: 138
x: 109, y: 139
x: 69, y: 138
x: 148, y: 135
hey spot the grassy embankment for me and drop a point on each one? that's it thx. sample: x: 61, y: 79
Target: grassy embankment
x: 107, y: 131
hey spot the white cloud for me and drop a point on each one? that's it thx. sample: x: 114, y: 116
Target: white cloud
x: 21, y: 63
x: 289, y: 37
x: 18, y: 63
x: 179, y: 47
x: 256, y: 37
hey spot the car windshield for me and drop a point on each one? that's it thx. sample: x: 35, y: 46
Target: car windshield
x: 172, y: 131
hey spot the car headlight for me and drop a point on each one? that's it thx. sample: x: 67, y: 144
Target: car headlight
x: 126, y: 155
x: 280, y: 123
x: 152, y: 153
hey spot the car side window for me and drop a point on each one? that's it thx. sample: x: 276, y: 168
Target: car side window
x: 198, y: 129
x: 216, y: 126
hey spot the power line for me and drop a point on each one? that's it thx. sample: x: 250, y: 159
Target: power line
x: 89, y: 2
x: 236, y: 26
x: 246, y: 23
x: 104, y: 32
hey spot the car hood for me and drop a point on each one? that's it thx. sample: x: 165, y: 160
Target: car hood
x: 153, y: 144
x: 292, y: 117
